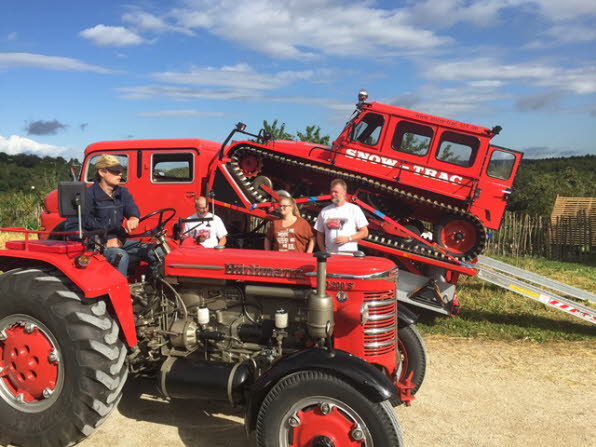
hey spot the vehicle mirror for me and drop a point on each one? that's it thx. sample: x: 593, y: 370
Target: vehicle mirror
x: 71, y: 195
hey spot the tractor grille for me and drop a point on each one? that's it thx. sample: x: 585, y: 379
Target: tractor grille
x: 381, y: 328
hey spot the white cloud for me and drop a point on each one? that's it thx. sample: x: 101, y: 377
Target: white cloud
x: 576, y: 80
x: 240, y: 76
x: 18, y: 145
x: 111, y: 36
x: 12, y: 60
x: 446, y: 13
x: 147, y: 22
x: 180, y: 113
x: 557, y: 10
x: 303, y: 29
x: 572, y: 32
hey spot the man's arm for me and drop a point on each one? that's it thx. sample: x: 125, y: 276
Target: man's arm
x: 222, y: 240
x: 321, y: 240
x: 131, y: 212
x: 360, y: 234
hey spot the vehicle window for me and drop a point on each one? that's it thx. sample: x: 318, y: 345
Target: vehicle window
x: 501, y: 164
x: 172, y: 168
x: 368, y: 131
x: 457, y: 149
x: 412, y: 138
x: 90, y: 169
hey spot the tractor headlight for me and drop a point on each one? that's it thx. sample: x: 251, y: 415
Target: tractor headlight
x: 82, y: 261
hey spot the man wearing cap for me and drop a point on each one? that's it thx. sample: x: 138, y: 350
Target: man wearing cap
x: 107, y: 205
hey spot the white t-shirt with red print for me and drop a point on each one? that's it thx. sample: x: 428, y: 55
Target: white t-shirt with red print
x: 343, y: 220
x: 210, y: 232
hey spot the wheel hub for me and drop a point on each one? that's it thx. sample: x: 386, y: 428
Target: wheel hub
x: 322, y: 441
x: 459, y: 236
x: 29, y: 365
x: 324, y: 425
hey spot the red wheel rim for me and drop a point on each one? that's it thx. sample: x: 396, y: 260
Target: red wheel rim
x: 458, y: 236
x: 403, y: 358
x: 316, y: 428
x: 30, y: 365
x: 250, y: 165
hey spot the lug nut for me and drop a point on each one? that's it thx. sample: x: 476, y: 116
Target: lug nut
x: 53, y: 357
x: 20, y: 398
x: 47, y: 392
x: 29, y: 327
x: 325, y: 408
x: 357, y: 434
x: 294, y: 421
x: 3, y: 335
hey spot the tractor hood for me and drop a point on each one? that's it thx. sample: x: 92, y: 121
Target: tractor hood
x: 270, y: 266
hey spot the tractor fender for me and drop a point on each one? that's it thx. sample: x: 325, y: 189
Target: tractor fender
x: 363, y: 376
x: 405, y: 317
x: 98, y: 279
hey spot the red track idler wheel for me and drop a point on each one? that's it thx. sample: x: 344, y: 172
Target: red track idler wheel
x: 250, y: 165
x: 460, y: 236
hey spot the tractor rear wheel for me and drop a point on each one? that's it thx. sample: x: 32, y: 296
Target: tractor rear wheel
x: 62, y: 363
x: 314, y: 408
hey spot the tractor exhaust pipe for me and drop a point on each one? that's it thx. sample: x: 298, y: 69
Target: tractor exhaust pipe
x: 320, y: 321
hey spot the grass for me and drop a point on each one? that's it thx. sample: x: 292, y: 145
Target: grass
x: 488, y: 311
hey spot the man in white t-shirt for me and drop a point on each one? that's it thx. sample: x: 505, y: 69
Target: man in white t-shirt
x: 340, y: 225
x: 209, y: 233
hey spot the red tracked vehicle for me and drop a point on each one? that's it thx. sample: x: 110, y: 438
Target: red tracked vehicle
x: 308, y: 348
x: 424, y: 172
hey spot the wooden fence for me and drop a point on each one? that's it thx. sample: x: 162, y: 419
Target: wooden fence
x: 562, y: 238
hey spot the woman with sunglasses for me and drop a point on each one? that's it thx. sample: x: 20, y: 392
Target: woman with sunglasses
x: 291, y: 232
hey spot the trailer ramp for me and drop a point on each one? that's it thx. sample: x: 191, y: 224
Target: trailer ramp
x: 518, y: 280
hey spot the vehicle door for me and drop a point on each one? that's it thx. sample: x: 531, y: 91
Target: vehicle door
x: 495, y: 184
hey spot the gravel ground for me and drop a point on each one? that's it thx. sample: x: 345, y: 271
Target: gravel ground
x: 477, y: 393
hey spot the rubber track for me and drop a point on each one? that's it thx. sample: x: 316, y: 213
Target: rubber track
x: 375, y: 237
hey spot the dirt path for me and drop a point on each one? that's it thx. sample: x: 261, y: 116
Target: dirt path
x: 477, y: 393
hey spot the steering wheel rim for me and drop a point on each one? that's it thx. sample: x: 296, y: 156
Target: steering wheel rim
x: 160, y: 224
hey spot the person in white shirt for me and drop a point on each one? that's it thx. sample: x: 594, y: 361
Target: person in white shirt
x: 340, y: 225
x: 209, y: 233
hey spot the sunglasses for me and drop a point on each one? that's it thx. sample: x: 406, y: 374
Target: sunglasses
x: 115, y: 171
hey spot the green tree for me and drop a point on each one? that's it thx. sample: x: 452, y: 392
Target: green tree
x: 278, y: 133
x: 313, y: 135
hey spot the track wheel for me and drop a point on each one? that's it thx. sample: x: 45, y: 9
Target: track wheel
x: 250, y: 164
x: 62, y: 363
x: 412, y: 357
x: 462, y: 237
x: 313, y: 408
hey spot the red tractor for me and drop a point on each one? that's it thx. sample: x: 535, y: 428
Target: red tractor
x: 309, y: 348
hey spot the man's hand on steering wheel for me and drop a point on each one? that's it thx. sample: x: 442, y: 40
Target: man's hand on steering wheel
x: 131, y: 224
x: 161, y: 223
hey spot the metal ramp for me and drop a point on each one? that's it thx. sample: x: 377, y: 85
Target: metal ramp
x: 517, y: 280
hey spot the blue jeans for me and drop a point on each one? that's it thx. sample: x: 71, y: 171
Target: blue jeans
x: 136, y: 249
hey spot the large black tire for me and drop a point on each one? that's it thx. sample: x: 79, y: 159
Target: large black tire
x: 82, y: 378
x: 412, y: 359
x: 413, y: 356
x: 295, y: 409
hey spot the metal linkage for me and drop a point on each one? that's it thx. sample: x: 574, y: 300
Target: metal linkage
x: 517, y: 285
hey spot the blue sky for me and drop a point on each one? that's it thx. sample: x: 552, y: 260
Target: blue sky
x: 72, y: 73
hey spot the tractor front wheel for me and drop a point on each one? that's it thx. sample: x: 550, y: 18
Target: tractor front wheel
x: 313, y: 408
x: 412, y: 358
x: 62, y: 364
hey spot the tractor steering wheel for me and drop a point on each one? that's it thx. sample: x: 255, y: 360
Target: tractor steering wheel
x: 161, y: 223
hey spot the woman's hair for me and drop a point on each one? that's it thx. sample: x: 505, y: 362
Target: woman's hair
x: 292, y: 202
